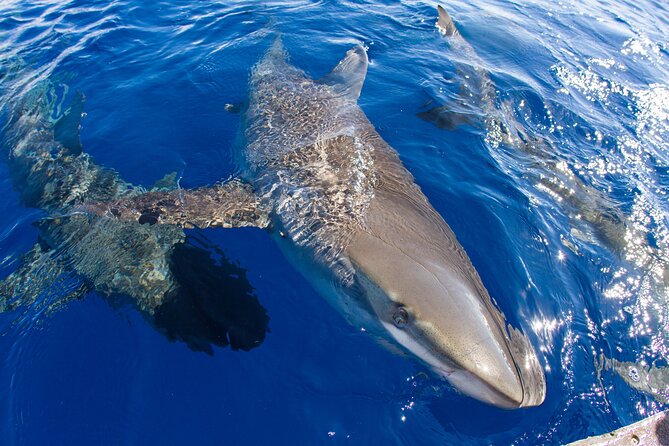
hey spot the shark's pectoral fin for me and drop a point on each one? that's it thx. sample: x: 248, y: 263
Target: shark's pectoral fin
x: 349, y: 74
x: 66, y: 128
x: 228, y: 205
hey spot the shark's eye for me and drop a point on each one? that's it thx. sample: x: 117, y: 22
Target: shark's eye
x: 400, y: 317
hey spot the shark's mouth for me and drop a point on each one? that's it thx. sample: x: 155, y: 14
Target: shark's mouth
x: 464, y: 381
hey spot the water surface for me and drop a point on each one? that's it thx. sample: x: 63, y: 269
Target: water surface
x: 588, y: 79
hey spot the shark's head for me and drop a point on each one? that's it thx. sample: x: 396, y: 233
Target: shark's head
x: 421, y: 286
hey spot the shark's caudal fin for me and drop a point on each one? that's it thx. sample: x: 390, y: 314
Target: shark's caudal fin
x: 349, y: 74
x: 66, y: 129
x: 229, y: 205
x: 445, y: 23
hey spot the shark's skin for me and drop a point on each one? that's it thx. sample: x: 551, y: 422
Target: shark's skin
x: 348, y: 214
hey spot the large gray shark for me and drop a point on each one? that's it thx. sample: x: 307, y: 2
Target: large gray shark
x: 349, y: 215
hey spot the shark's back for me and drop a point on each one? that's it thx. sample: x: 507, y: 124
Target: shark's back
x: 288, y: 110
x: 309, y: 155
x: 318, y: 159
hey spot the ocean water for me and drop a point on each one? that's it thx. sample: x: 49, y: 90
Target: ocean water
x: 570, y: 233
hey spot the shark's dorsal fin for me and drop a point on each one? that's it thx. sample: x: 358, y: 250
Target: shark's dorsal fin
x: 445, y: 23
x: 349, y: 74
x: 66, y: 128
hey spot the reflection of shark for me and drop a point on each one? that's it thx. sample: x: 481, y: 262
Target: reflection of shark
x: 477, y: 104
x: 350, y: 216
x: 176, y: 283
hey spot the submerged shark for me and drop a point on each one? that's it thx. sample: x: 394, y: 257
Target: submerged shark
x: 652, y: 380
x: 477, y: 104
x: 595, y: 217
x: 178, y: 287
x: 350, y: 217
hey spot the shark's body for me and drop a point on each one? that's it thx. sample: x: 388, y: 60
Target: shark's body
x: 349, y: 215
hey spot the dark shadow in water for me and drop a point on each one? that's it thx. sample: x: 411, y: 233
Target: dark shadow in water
x: 213, y: 305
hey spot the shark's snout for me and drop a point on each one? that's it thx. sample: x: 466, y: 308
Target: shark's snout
x: 494, y: 382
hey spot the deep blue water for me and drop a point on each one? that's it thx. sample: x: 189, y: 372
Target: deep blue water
x: 590, y: 79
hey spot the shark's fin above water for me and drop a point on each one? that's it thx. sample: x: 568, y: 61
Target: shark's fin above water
x: 349, y: 74
x: 66, y: 128
x: 228, y: 205
x: 445, y: 23
x: 275, y: 53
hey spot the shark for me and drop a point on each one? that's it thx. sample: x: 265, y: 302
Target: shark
x: 477, y: 104
x: 650, y: 379
x: 348, y: 214
x: 596, y: 217
x: 169, y: 276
